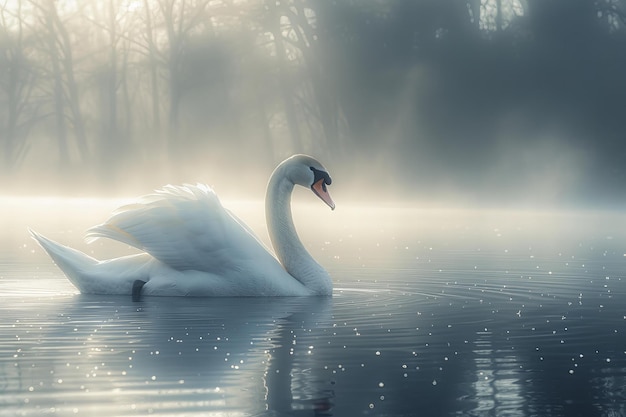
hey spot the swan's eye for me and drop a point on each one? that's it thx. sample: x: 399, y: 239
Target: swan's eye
x: 319, y: 175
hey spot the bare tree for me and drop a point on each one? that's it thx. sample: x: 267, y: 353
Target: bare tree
x: 274, y: 24
x: 180, y: 19
x: 18, y: 78
x: 114, y: 108
x: 153, y: 67
x: 322, y: 105
x: 56, y: 44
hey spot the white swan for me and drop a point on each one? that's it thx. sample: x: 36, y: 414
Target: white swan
x: 195, y: 247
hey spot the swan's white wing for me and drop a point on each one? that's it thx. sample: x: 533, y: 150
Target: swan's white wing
x: 186, y: 228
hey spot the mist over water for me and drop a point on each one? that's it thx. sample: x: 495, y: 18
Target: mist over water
x: 485, y: 102
x: 447, y: 311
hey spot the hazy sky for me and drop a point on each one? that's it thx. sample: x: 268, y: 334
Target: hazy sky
x: 502, y: 102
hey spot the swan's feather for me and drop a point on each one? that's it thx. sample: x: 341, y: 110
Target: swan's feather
x: 195, y: 247
x: 186, y: 228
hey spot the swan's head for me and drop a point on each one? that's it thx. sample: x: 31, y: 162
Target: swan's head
x: 308, y: 172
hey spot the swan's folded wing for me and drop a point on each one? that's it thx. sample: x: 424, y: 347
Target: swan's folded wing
x: 184, y: 227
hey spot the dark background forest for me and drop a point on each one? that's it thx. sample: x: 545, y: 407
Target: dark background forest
x: 482, y: 101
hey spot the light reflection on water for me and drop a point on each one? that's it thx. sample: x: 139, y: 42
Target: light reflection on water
x: 450, y: 313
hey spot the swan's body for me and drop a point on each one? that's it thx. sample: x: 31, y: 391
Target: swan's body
x: 195, y: 247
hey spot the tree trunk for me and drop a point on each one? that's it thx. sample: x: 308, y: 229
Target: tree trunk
x: 154, y: 79
x: 327, y: 108
x: 112, y: 78
x: 284, y: 79
x: 58, y: 90
x: 65, y: 90
x: 72, y: 88
x: 174, y: 40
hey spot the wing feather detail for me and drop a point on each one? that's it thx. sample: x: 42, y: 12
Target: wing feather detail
x: 185, y: 227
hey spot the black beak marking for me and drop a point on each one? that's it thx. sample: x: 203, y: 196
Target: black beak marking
x: 318, y: 175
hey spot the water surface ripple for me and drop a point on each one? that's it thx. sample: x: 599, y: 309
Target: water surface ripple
x: 434, y: 313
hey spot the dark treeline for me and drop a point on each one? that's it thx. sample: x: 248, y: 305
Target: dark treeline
x: 485, y: 98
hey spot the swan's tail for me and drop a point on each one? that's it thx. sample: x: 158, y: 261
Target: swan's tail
x: 88, y: 274
x: 75, y: 264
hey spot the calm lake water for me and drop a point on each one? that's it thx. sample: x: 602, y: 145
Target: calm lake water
x: 435, y: 312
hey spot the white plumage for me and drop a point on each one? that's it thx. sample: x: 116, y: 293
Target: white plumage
x: 195, y: 247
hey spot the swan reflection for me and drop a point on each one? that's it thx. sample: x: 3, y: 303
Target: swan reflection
x: 205, y: 356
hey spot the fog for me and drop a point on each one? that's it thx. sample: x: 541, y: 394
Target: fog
x: 507, y: 103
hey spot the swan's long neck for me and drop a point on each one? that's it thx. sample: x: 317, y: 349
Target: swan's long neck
x: 289, y: 250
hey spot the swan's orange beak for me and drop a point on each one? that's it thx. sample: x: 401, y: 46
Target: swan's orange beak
x: 319, y: 188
